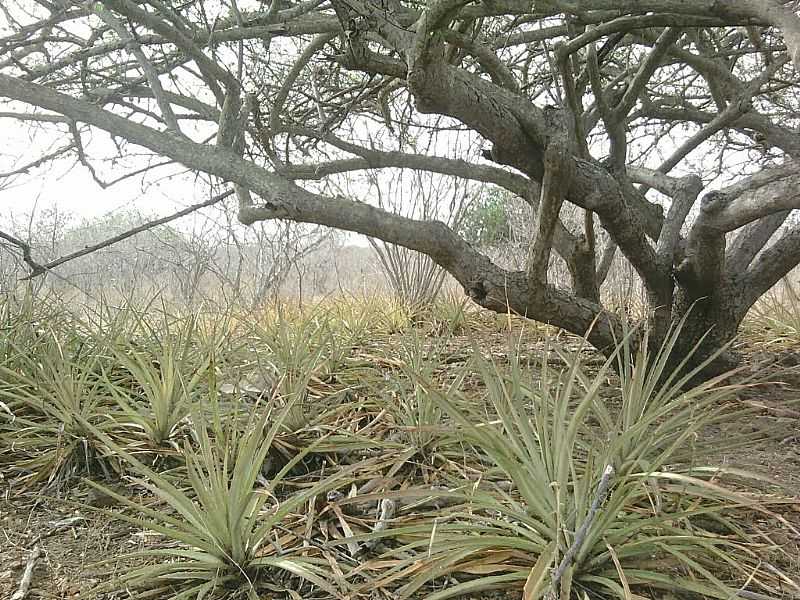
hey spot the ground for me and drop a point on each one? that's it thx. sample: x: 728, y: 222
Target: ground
x: 84, y: 544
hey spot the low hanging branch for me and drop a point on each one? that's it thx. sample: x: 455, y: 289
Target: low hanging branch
x: 40, y: 269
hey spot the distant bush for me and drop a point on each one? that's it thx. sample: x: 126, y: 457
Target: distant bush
x: 486, y: 221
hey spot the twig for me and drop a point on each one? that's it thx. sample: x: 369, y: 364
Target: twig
x: 580, y: 535
x: 147, y: 67
x: 386, y: 511
x: 82, y: 158
x: 27, y: 576
x: 38, y: 162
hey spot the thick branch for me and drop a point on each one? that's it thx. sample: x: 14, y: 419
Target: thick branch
x: 701, y: 270
x: 770, y: 191
x: 563, y: 240
x: 496, y: 68
x: 771, y: 266
x: 683, y: 198
x: 488, y: 285
x: 557, y: 167
x: 750, y: 241
x: 519, y: 132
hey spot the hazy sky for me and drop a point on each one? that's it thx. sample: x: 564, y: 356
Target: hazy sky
x: 69, y: 186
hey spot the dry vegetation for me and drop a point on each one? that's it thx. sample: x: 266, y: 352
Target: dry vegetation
x: 355, y: 450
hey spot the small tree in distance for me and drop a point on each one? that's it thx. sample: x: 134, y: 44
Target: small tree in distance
x: 639, y: 114
x: 486, y: 222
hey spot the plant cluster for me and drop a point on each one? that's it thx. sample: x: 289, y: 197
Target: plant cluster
x: 319, y: 453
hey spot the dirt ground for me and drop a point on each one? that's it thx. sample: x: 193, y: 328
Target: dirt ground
x: 81, y: 547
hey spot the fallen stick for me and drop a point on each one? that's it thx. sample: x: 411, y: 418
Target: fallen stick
x: 27, y: 576
x: 386, y: 510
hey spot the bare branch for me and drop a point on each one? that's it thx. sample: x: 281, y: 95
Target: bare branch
x: 684, y: 196
x: 496, y: 68
x: 37, y: 269
x: 770, y: 266
x: 772, y: 12
x: 750, y: 241
x: 778, y: 196
x: 701, y: 270
x: 42, y: 118
x: 147, y: 68
x: 27, y: 257
x: 39, y: 161
x: 720, y: 122
x: 669, y: 36
x: 212, y: 71
x: 277, y: 106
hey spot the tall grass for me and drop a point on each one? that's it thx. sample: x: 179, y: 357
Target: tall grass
x: 777, y: 314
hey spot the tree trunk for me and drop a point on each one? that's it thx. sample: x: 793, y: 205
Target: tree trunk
x: 707, y: 328
x: 583, y: 271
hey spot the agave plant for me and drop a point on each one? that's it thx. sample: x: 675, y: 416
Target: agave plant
x: 298, y: 358
x: 416, y: 411
x: 162, y: 382
x: 613, y: 501
x: 449, y: 314
x: 354, y: 320
x: 221, y: 531
x: 49, y: 397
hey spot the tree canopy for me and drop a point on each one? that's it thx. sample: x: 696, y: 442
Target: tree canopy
x: 672, y: 125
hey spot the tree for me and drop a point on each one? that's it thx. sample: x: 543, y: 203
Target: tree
x: 630, y: 111
x: 486, y: 222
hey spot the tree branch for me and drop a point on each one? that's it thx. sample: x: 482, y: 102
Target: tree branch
x: 684, y: 196
x: 668, y: 37
x: 212, y: 71
x: 149, y: 72
x: 701, y: 270
x: 770, y: 266
x: 27, y: 257
x: 497, y: 69
x: 38, y: 162
x: 487, y: 284
x: 770, y: 191
x: 39, y: 269
x: 558, y: 166
x: 750, y: 241
x: 772, y: 12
